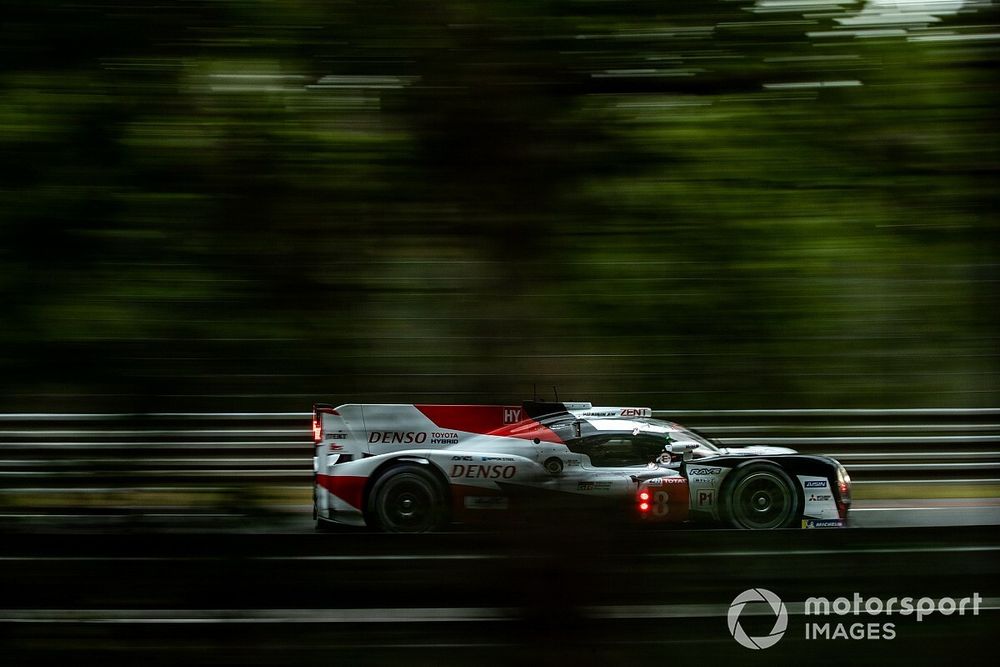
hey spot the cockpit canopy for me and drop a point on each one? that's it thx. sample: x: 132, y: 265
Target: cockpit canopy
x: 626, y: 442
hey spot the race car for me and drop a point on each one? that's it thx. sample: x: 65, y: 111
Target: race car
x: 416, y: 468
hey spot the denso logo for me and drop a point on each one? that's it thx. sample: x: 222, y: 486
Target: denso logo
x: 483, y: 472
x: 706, y: 471
x: 397, y: 438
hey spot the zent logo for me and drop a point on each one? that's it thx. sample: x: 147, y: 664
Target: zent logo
x: 780, y: 622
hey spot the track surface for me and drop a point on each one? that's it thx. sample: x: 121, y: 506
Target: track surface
x: 273, y: 591
x: 938, y: 512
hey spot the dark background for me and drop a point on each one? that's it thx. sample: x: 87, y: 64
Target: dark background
x: 255, y: 205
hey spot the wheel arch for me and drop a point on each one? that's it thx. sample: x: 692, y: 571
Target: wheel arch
x: 397, y: 462
x: 764, y: 461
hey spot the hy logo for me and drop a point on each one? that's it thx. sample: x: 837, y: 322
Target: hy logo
x: 757, y: 595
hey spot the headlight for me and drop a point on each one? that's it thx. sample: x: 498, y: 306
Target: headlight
x: 844, y: 485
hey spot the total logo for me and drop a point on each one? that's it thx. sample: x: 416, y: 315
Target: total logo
x: 780, y: 618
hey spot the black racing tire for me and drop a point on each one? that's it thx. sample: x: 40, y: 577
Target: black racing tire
x: 761, y: 497
x: 407, y: 499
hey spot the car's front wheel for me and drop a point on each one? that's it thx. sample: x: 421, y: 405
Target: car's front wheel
x: 408, y: 499
x: 762, y: 497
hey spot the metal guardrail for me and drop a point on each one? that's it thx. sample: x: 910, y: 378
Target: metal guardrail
x: 183, y: 450
x: 924, y: 446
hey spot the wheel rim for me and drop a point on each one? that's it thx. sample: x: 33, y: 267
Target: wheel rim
x: 407, y: 504
x: 762, y: 500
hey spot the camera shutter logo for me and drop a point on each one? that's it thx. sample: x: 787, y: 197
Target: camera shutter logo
x: 757, y: 595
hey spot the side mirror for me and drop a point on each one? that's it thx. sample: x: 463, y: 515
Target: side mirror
x: 683, y: 449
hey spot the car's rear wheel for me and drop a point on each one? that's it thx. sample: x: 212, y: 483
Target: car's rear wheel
x: 762, y: 497
x: 408, y: 499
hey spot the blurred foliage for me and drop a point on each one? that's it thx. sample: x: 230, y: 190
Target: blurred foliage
x: 239, y: 204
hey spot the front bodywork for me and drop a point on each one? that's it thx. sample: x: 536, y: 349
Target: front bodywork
x: 814, y: 478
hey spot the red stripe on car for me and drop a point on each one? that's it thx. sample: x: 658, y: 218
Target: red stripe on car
x: 528, y: 429
x: 472, y: 418
x: 348, y: 488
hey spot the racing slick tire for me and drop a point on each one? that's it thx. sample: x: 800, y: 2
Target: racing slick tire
x: 407, y: 499
x: 761, y: 497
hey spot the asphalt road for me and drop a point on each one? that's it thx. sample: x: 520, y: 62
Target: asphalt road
x: 297, y: 519
x: 277, y: 592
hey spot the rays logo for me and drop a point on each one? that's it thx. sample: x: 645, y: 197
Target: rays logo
x: 757, y: 595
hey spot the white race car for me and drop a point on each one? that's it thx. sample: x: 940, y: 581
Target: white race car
x: 415, y: 468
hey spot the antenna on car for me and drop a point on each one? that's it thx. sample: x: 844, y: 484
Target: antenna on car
x: 534, y: 391
x: 555, y: 392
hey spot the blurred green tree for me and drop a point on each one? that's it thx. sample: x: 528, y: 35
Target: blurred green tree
x: 699, y: 204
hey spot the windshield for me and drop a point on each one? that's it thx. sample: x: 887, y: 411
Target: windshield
x: 681, y: 433
x: 678, y: 433
x: 617, y: 447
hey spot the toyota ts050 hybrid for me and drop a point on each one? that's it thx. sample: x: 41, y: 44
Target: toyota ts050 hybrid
x: 414, y: 468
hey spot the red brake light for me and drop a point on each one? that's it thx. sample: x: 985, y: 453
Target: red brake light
x: 319, y: 409
x: 644, y: 502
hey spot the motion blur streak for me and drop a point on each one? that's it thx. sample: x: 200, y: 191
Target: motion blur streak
x: 527, y: 597
x: 235, y: 205
x: 232, y: 466
x: 247, y: 206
